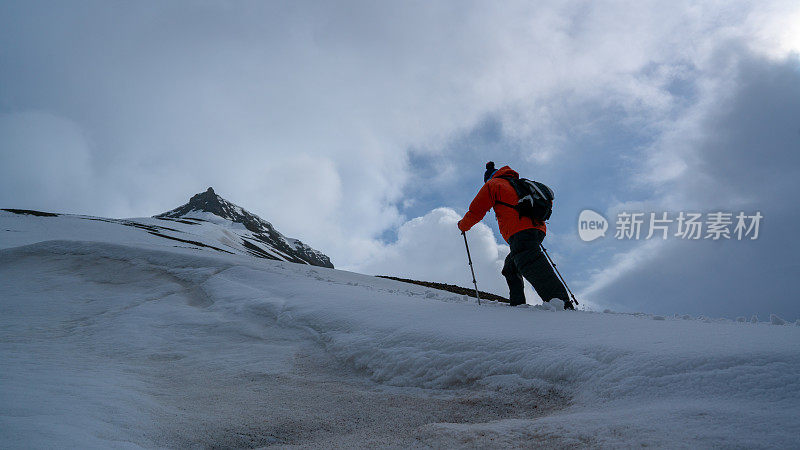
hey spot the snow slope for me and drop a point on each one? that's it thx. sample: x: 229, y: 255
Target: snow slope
x: 195, y: 229
x: 132, y: 344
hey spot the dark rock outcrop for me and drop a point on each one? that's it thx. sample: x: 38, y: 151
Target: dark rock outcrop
x: 449, y: 288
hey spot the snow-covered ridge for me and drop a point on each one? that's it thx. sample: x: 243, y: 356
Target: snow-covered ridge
x: 202, y: 348
x: 207, y: 205
x: 206, y: 222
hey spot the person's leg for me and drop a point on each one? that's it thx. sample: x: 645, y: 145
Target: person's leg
x: 516, y: 287
x: 533, y: 265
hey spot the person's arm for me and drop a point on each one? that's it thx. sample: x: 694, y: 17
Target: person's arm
x: 480, y: 205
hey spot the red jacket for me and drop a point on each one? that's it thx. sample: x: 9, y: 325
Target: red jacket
x: 508, y: 218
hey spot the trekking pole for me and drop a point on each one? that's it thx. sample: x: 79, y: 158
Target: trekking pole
x: 559, y: 274
x: 469, y: 258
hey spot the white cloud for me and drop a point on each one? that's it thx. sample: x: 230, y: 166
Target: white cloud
x: 736, y: 147
x: 621, y: 264
x: 431, y: 248
x: 45, y: 162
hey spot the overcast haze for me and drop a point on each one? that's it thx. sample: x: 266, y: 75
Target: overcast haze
x: 362, y: 129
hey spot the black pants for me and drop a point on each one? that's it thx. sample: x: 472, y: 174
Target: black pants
x: 527, y: 260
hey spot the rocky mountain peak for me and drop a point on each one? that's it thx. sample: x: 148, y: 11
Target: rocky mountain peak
x: 207, y: 201
x: 261, y: 230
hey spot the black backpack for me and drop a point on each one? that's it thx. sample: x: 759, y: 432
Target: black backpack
x: 535, y: 199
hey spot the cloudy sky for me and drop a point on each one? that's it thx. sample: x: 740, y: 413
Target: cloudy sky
x: 362, y: 128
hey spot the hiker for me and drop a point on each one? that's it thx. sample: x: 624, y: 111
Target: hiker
x: 523, y: 234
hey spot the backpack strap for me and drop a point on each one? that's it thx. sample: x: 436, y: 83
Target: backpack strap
x: 506, y: 204
x: 511, y: 182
